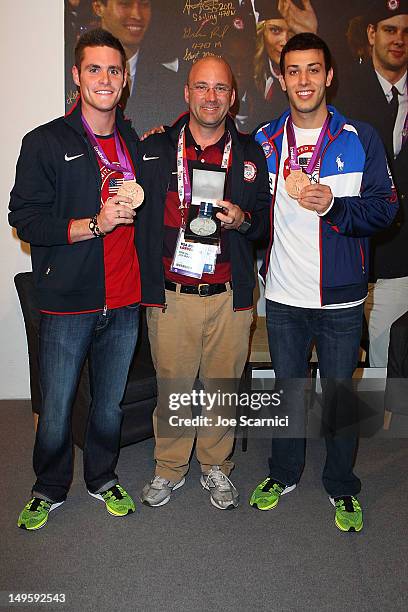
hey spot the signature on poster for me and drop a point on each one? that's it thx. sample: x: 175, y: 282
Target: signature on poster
x: 72, y: 96
x: 207, y: 6
x: 216, y: 32
x: 190, y: 33
x: 209, y: 10
x: 203, y: 45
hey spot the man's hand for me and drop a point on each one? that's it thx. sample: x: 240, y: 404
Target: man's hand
x: 115, y: 212
x: 111, y: 215
x: 156, y: 130
x: 298, y: 20
x: 316, y: 197
x: 232, y: 217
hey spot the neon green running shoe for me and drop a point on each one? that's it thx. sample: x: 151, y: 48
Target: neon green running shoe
x: 267, y: 494
x: 35, y: 513
x: 118, y: 502
x: 349, y: 516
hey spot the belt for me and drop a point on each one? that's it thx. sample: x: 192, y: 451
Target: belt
x: 202, y: 290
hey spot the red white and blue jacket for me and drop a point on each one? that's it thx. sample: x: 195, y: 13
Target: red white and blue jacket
x: 354, y: 165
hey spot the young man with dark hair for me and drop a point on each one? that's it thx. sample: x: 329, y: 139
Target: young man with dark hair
x: 376, y: 91
x: 305, y: 42
x: 66, y: 203
x: 154, y: 86
x: 331, y: 190
x: 97, y: 38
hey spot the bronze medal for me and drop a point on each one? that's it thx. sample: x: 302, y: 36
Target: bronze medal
x: 295, y: 182
x: 131, y: 189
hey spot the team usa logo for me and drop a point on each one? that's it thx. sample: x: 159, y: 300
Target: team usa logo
x: 250, y: 172
x: 238, y: 23
x: 267, y: 149
x: 393, y: 5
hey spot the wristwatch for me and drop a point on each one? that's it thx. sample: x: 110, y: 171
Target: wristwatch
x: 245, y: 225
x: 94, y: 227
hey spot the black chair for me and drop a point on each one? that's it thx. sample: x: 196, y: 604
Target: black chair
x: 396, y: 391
x: 139, y: 400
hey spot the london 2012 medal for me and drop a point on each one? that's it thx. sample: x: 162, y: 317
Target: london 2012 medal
x: 203, y: 226
x: 131, y: 189
x: 295, y: 182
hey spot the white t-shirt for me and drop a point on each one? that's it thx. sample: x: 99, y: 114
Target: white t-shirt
x: 294, y: 270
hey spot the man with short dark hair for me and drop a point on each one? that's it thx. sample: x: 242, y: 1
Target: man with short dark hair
x: 331, y: 191
x: 154, y: 85
x: 376, y: 91
x: 73, y: 201
x: 200, y: 294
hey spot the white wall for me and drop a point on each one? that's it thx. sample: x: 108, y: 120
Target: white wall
x: 32, y: 48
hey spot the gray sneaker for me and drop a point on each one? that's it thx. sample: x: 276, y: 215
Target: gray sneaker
x: 159, y: 490
x: 223, y: 494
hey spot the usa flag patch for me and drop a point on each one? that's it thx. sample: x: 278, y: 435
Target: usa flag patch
x: 114, y: 184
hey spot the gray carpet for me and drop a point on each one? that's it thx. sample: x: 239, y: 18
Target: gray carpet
x: 189, y: 556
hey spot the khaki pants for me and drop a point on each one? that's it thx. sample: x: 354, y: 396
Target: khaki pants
x: 195, y: 336
x: 387, y: 300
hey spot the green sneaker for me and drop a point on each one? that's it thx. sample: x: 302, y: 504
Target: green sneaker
x: 267, y: 494
x: 35, y: 513
x: 118, y: 502
x: 349, y: 516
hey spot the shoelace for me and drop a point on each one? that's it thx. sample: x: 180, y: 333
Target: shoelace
x: 116, y: 492
x: 220, y: 480
x: 276, y: 486
x: 36, y: 503
x: 347, y: 503
x: 158, y: 482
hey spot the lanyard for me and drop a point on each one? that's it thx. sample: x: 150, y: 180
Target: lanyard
x: 293, y: 155
x: 183, y: 175
x: 123, y: 165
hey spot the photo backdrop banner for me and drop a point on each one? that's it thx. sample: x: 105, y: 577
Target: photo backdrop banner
x: 162, y: 38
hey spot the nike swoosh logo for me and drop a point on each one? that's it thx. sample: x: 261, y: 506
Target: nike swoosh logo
x: 146, y: 158
x: 68, y: 158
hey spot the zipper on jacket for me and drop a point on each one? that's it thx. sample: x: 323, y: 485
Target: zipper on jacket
x: 164, y: 308
x: 331, y: 140
x: 105, y: 310
x: 272, y: 206
x: 362, y: 256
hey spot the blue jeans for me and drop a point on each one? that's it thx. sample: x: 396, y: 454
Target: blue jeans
x: 109, y: 341
x: 337, y: 333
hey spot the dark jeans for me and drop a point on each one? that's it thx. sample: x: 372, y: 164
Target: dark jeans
x: 65, y: 340
x: 337, y: 333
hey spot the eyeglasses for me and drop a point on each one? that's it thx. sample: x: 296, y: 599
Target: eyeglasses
x: 204, y: 88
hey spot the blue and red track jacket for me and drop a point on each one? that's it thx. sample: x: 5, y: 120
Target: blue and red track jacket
x: 365, y: 201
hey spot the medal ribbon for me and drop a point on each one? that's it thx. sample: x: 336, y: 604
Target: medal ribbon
x: 206, y: 209
x: 293, y: 154
x: 183, y: 175
x: 123, y: 165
